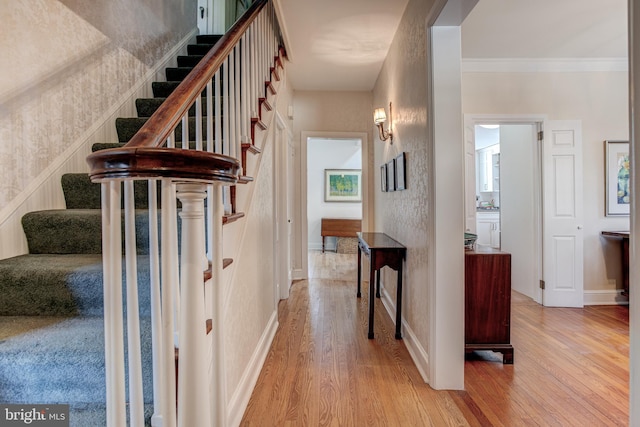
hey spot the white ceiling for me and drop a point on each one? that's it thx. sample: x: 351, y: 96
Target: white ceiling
x: 546, y: 29
x: 338, y: 44
x: 341, y: 44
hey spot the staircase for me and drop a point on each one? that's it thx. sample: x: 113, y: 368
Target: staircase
x: 63, y: 274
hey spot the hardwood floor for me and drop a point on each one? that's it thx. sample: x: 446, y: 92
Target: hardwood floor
x: 571, y: 366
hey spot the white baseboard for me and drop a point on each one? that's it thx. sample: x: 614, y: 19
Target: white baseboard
x: 417, y: 352
x: 608, y: 297
x: 297, y: 274
x: 240, y: 399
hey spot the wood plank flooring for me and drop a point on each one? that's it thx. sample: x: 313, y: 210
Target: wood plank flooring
x: 571, y: 366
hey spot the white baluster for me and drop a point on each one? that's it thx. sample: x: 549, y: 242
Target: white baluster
x: 219, y: 387
x: 185, y: 131
x: 218, y: 115
x: 210, y: 116
x: 244, y: 83
x: 169, y: 285
x: 156, y: 310
x: 198, y: 123
x: 113, y: 323
x: 226, y: 114
x: 236, y: 85
x: 232, y: 104
x: 193, y: 385
x: 253, y: 64
x: 136, y: 399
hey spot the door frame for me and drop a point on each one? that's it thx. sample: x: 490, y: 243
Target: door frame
x: 282, y: 197
x: 538, y: 120
x: 305, y: 135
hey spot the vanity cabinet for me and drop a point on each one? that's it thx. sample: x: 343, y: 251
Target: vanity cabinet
x: 487, y: 322
x: 488, y: 228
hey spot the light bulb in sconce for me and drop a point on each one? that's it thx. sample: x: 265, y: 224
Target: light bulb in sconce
x: 379, y: 117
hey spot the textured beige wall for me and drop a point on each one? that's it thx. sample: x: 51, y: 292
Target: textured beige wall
x: 600, y: 100
x: 404, y: 215
x: 65, y: 68
x: 250, y: 302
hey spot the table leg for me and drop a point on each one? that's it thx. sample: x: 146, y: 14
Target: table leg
x: 399, y: 305
x: 359, y: 270
x: 372, y: 299
x: 625, y: 267
x: 322, y: 244
x: 378, y: 273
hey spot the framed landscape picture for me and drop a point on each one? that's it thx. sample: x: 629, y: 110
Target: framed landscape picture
x: 617, y: 178
x: 342, y: 185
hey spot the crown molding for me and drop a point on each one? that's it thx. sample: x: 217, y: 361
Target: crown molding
x: 544, y: 65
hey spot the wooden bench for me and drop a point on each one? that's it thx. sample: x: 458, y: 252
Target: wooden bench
x: 339, y: 227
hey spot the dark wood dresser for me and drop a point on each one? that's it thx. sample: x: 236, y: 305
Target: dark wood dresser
x: 487, y: 322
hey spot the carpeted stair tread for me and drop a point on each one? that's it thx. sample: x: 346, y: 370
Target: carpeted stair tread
x: 64, y: 231
x: 81, y: 193
x: 128, y: 126
x: 175, y: 74
x: 147, y: 106
x: 65, y: 363
x: 189, y: 60
x: 164, y: 89
x: 198, y: 49
x: 208, y: 38
x: 77, y: 231
x: 36, y: 285
x: 60, y: 285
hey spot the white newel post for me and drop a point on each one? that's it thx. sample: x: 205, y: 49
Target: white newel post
x: 193, y: 383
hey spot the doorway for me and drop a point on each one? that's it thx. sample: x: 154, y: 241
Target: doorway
x: 329, y: 156
x: 540, y: 202
x: 341, y: 137
x: 507, y: 205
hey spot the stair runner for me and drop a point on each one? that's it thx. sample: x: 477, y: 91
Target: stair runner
x: 62, y: 276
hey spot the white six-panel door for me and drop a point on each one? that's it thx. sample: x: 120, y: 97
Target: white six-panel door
x: 563, y: 216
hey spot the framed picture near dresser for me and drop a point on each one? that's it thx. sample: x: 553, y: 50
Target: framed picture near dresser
x: 617, y: 176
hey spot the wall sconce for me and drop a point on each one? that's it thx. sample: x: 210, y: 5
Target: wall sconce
x: 379, y: 117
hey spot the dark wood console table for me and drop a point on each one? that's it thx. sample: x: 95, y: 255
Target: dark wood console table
x: 624, y: 236
x: 382, y: 251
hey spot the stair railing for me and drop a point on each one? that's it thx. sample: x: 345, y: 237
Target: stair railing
x: 185, y: 159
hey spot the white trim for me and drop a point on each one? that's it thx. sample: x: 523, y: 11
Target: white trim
x: 634, y: 250
x: 544, y: 65
x: 283, y: 29
x: 605, y: 297
x: 240, y: 399
x: 297, y: 274
x: 418, y: 354
x: 445, y: 281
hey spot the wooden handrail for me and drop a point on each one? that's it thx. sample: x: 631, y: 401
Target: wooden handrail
x: 151, y: 162
x: 114, y: 163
